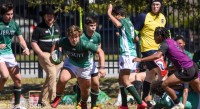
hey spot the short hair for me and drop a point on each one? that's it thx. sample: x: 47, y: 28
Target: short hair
x: 72, y: 30
x: 161, y: 31
x: 90, y: 19
x: 5, y: 7
x: 118, y: 10
x: 179, y: 37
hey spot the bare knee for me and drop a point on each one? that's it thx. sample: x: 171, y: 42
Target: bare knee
x: 4, y: 79
x: 95, y: 87
x: 164, y: 85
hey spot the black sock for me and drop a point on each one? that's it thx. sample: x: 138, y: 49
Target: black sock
x: 146, y: 89
x: 124, y: 96
x: 176, y: 101
x: 78, y: 92
x: 17, y: 93
x: 94, y: 97
x: 138, y: 86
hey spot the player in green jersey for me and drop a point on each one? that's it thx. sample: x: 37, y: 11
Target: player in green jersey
x: 127, y: 53
x: 77, y: 64
x: 8, y: 65
x: 91, y: 35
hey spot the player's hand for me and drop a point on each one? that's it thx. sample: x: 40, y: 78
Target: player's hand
x: 110, y: 9
x: 102, y: 72
x: 136, y: 60
x: 26, y: 51
x: 2, y: 46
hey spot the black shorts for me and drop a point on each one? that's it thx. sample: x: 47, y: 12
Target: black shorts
x: 150, y: 64
x: 187, y: 75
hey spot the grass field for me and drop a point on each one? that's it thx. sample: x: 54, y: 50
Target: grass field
x: 108, y: 85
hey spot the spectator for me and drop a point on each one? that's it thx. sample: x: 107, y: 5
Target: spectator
x: 45, y: 34
x: 145, y: 24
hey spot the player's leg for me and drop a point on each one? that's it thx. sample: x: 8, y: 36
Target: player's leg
x: 67, y: 72
x: 126, y: 65
x: 94, y: 89
x: 65, y: 76
x: 170, y: 81
x: 85, y: 89
x: 13, y: 69
x: 150, y: 74
x: 16, y: 77
x: 4, y: 74
x: 139, y: 78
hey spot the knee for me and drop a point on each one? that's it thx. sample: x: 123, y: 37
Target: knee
x: 164, y: 85
x: 18, y: 81
x: 95, y: 87
x: 4, y: 79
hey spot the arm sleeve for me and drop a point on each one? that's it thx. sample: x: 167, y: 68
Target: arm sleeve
x: 163, y: 47
x: 139, y: 21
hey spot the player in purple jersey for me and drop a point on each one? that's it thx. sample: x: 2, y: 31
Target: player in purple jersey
x: 186, y: 70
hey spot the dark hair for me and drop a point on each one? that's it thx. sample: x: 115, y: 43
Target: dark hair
x: 72, y: 30
x: 179, y: 38
x: 118, y: 10
x: 5, y: 7
x: 161, y: 31
x: 90, y: 19
x: 47, y: 10
x: 149, y: 9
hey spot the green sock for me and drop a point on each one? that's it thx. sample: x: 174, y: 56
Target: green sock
x: 131, y: 89
x: 17, y: 93
x: 94, y: 97
x: 124, y: 95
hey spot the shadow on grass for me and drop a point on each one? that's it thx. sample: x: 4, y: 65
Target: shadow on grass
x: 108, y: 85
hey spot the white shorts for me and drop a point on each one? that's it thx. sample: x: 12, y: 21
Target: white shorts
x: 84, y: 73
x: 125, y: 62
x: 9, y: 60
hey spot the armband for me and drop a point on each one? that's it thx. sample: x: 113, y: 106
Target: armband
x: 101, y: 67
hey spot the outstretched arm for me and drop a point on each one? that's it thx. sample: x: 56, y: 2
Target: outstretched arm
x: 149, y: 58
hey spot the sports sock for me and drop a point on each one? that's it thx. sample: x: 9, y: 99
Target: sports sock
x: 138, y: 86
x: 17, y: 93
x: 78, y: 92
x: 176, y: 101
x: 123, y: 95
x: 94, y: 96
x: 131, y: 89
x: 146, y: 89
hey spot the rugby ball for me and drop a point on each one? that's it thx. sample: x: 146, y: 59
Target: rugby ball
x: 56, y: 56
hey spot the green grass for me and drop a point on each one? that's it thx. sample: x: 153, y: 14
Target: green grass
x: 108, y: 85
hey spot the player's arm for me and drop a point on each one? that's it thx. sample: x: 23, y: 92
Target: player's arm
x: 112, y: 18
x: 157, y: 55
x: 162, y: 50
x: 23, y: 45
x: 101, y: 55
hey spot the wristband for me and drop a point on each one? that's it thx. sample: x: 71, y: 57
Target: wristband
x: 25, y: 49
x: 101, y: 67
